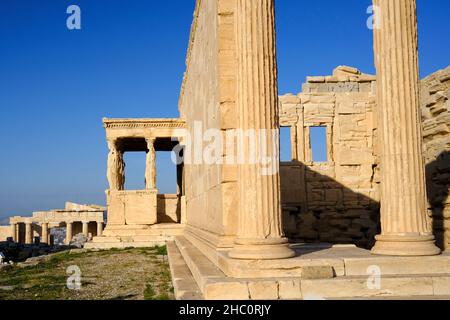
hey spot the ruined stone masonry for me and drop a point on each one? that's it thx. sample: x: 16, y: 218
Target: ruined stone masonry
x: 435, y: 105
x: 337, y: 200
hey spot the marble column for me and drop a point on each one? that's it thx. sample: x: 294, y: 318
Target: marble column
x: 14, y: 232
x: 69, y: 232
x: 116, y: 167
x: 260, y: 233
x: 44, y: 233
x: 85, y: 228
x: 406, y: 230
x: 99, y: 229
x: 28, y: 233
x: 150, y: 169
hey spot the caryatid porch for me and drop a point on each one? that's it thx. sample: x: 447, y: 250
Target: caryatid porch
x: 136, y: 214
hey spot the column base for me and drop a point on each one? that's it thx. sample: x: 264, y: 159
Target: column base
x: 261, y: 249
x: 405, y: 245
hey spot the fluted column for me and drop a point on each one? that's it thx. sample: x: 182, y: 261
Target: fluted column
x: 150, y: 170
x: 260, y: 234
x: 44, y: 233
x: 69, y: 232
x: 405, y: 229
x: 28, y: 232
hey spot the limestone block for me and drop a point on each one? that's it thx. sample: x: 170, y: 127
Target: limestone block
x: 327, y: 98
x: 289, y: 99
x: 345, y: 71
x: 333, y: 195
x: 263, y: 290
x: 289, y: 289
x: 132, y: 207
x: 317, y: 272
x: 319, y: 79
x: 347, y: 288
x: 344, y: 87
x: 348, y: 157
x: 441, y: 286
x: 365, y: 87
x: 226, y: 290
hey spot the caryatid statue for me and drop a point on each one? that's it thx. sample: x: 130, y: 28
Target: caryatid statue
x: 150, y: 170
x: 116, y: 167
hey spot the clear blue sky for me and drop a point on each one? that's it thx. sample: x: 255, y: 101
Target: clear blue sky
x: 128, y: 61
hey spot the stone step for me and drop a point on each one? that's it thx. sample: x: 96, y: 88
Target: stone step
x: 399, y: 265
x: 183, y: 282
x: 123, y: 245
x: 143, y: 232
x: 104, y: 239
x: 389, y: 286
x: 145, y: 227
x: 200, y: 266
x: 214, y: 284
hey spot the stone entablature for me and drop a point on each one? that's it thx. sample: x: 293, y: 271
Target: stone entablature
x: 143, y: 123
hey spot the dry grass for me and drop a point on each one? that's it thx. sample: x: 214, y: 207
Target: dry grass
x: 130, y: 274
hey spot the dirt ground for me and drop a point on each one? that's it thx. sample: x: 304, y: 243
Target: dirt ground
x: 129, y: 274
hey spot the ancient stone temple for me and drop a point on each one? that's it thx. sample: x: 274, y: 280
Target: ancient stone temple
x: 245, y: 225
x: 74, y: 218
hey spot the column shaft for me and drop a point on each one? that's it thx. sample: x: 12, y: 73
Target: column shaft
x: 405, y: 230
x: 28, y: 233
x: 44, y: 234
x: 14, y: 232
x: 69, y: 232
x: 99, y: 229
x: 18, y: 233
x: 150, y: 170
x: 260, y: 234
x: 85, y: 228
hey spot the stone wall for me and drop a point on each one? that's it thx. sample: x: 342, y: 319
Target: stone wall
x: 336, y: 200
x: 169, y: 208
x: 5, y: 233
x: 436, y: 130
x: 208, y: 100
